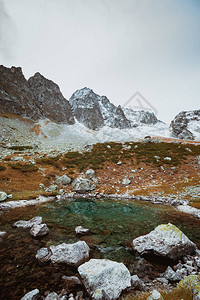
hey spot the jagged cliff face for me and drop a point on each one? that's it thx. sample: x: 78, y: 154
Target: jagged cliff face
x: 140, y: 117
x: 186, y: 124
x: 54, y: 106
x: 15, y: 94
x: 95, y: 111
x: 36, y: 98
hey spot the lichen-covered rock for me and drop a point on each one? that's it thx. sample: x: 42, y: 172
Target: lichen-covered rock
x: 32, y: 295
x: 39, y: 230
x: 63, y: 180
x: 104, y: 278
x: 90, y: 173
x: 3, y: 196
x: 83, y: 185
x: 165, y: 240
x: 71, y: 254
x: 28, y: 224
x: 191, y: 282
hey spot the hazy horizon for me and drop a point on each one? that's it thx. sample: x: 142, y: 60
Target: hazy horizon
x: 114, y: 47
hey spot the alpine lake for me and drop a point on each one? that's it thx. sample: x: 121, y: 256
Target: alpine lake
x: 113, y: 225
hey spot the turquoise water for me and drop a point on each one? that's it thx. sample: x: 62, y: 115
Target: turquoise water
x: 112, y: 224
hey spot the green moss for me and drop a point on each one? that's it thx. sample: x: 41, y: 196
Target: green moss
x: 24, y: 167
x: 21, y: 148
x: 2, y: 168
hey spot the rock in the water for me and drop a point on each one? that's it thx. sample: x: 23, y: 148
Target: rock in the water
x: 39, y: 230
x: 104, y: 278
x: 191, y: 282
x: 32, y: 295
x: 3, y: 196
x: 126, y: 181
x: 90, y: 173
x: 28, y: 224
x: 82, y: 231
x: 52, y: 296
x: 83, y: 185
x: 71, y: 254
x: 63, y: 180
x: 155, y: 295
x: 165, y: 240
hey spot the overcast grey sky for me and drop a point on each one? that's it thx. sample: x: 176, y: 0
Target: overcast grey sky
x: 115, y: 47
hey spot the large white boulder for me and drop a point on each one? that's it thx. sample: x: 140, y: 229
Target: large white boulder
x: 165, y: 240
x: 71, y: 254
x: 28, y: 224
x: 83, y: 185
x: 104, y: 278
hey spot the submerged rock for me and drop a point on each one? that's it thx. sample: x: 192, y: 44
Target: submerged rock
x: 3, y: 196
x: 39, y: 230
x: 165, y: 240
x: 28, y: 224
x: 71, y: 254
x: 104, y: 278
x: 82, y: 185
x: 32, y: 295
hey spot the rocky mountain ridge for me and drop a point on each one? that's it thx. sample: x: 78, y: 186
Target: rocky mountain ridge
x: 39, y: 98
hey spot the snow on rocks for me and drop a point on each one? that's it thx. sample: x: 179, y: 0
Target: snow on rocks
x: 28, y: 224
x: 63, y: 180
x: 82, y: 185
x: 3, y: 196
x: 32, y: 295
x: 165, y: 240
x: 82, y: 231
x: 104, y: 278
x: 71, y: 254
x: 38, y: 230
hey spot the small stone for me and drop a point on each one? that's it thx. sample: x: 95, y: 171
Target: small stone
x: 32, y: 295
x: 63, y: 180
x: 126, y: 181
x: 51, y: 188
x: 155, y: 295
x: 39, y: 230
x: 2, y: 233
x: 3, y: 196
x: 137, y: 283
x: 43, y: 254
x: 82, y: 231
x: 90, y: 173
x: 52, y: 296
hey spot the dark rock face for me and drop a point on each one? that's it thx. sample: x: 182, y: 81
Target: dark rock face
x: 179, y: 126
x: 55, y: 107
x: 15, y: 94
x: 36, y: 98
x: 95, y: 111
